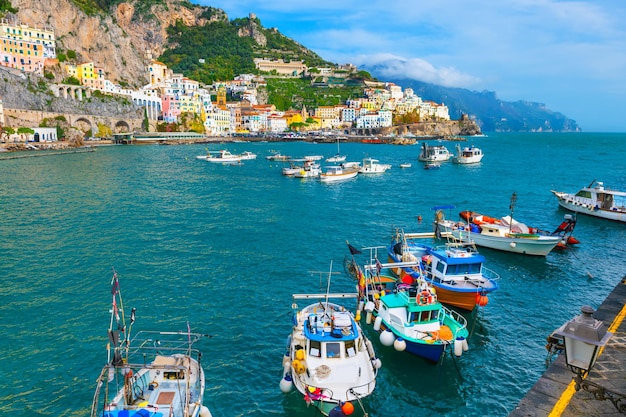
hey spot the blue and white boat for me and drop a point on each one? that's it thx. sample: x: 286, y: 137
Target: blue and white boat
x: 410, y: 318
x: 455, y: 270
x: 153, y: 374
x: 329, y: 360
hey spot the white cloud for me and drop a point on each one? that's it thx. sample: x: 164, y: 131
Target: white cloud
x: 394, y: 67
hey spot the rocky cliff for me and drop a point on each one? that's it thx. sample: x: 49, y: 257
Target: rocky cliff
x: 121, y: 42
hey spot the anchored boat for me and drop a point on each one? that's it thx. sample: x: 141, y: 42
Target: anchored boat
x: 595, y: 200
x: 154, y: 373
x: 328, y: 359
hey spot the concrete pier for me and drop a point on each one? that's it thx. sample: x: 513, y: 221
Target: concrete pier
x: 555, y: 395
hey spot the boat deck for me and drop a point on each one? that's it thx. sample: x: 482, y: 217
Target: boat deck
x: 554, y: 393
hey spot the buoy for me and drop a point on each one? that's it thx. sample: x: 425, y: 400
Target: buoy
x: 286, y: 383
x: 361, y: 305
x: 357, y: 316
x: 399, y: 344
x: 369, y: 306
x: 298, y: 366
x: 377, y: 323
x: 347, y: 408
x: 300, y: 354
x: 483, y: 300
x: 204, y: 411
x: 387, y: 338
x: 512, y: 244
x: 465, y: 345
x: 458, y: 346
x: 377, y: 363
x: 368, y: 317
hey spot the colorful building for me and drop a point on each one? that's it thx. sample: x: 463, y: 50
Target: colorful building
x: 25, y: 48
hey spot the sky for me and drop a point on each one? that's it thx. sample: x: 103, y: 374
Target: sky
x: 568, y: 55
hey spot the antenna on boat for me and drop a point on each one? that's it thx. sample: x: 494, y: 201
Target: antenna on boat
x: 512, y: 207
x: 330, y: 273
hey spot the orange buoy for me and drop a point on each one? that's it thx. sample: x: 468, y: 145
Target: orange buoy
x: 482, y: 300
x: 347, y: 408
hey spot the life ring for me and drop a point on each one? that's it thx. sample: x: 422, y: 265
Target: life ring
x: 424, y: 298
x: 154, y: 385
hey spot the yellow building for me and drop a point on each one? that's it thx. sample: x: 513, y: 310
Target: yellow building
x: 88, y: 75
x: 25, y: 48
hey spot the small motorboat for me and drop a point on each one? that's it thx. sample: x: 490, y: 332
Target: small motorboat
x: 410, y: 317
x: 373, y: 166
x: 405, y: 165
x: 595, y: 200
x: 467, y: 155
x: 455, y: 270
x: 432, y: 165
x: 339, y: 173
x: 154, y: 373
x: 329, y: 359
x: 438, y: 153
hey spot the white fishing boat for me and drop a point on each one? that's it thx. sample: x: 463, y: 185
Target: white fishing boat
x: 467, y: 155
x: 338, y: 173
x: 595, y: 200
x: 247, y: 155
x: 373, y: 166
x: 277, y: 156
x: 310, y: 169
x: 292, y: 169
x: 153, y: 373
x: 221, y: 156
x: 492, y: 233
x: 405, y: 165
x: 438, y: 153
x: 329, y: 359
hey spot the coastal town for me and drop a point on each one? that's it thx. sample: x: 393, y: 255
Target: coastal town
x: 170, y: 97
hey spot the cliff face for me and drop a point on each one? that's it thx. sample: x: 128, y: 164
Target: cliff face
x: 121, y: 43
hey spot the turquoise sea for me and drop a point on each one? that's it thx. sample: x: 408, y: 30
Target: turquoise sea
x: 224, y: 247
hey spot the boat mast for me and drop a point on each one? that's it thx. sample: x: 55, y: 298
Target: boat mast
x: 512, y: 207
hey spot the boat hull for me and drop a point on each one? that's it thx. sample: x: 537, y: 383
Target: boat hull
x: 535, y: 246
x: 429, y: 351
x: 568, y: 202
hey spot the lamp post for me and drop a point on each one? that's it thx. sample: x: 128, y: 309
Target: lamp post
x: 583, y: 338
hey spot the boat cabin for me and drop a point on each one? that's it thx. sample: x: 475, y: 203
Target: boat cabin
x: 331, y: 334
x: 442, y: 265
x: 413, y: 308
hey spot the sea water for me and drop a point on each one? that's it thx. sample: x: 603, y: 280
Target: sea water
x: 224, y: 247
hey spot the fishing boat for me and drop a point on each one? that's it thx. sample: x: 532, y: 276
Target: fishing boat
x: 310, y: 169
x: 438, y: 153
x: 405, y: 165
x: 373, y: 166
x: 456, y: 270
x: 247, y: 155
x: 493, y: 233
x: 595, y: 200
x: 338, y: 173
x: 292, y: 169
x: 408, y: 317
x: 154, y: 373
x: 221, y: 156
x: 277, y: 156
x: 337, y: 157
x: 328, y: 359
x: 467, y: 155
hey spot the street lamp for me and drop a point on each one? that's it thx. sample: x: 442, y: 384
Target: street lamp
x: 583, y: 338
